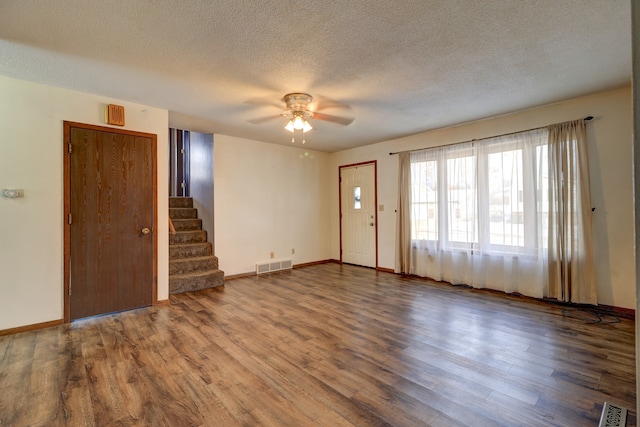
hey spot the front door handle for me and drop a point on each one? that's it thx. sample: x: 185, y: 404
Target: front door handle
x: 145, y: 230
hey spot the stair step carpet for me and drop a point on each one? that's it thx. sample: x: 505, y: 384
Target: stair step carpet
x: 188, y: 250
x: 187, y: 224
x: 196, y: 281
x: 192, y: 266
x: 180, y: 202
x: 190, y: 236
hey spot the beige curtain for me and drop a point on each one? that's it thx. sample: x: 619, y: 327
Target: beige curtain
x: 403, y: 219
x: 571, y: 271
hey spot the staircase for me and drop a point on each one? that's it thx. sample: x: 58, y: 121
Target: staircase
x: 191, y: 264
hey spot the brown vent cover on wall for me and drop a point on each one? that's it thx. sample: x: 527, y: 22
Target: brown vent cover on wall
x: 114, y: 115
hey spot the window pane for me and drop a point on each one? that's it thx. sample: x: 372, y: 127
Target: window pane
x: 356, y: 198
x: 506, y: 207
x: 424, y: 198
x: 461, y: 194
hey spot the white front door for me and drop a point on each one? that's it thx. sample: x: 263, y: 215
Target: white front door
x: 358, y: 214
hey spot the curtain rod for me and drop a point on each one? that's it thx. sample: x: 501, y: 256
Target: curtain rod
x: 586, y: 119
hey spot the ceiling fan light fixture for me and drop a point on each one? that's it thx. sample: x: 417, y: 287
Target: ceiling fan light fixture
x: 289, y: 126
x: 298, y: 122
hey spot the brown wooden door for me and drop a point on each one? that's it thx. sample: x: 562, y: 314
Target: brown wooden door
x: 111, y: 236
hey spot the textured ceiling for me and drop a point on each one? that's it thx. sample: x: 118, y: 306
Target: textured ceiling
x: 397, y: 67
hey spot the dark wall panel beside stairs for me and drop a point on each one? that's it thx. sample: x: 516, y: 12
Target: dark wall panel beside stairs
x: 192, y: 265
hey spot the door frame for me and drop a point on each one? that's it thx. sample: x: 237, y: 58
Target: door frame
x: 67, y: 125
x: 375, y: 191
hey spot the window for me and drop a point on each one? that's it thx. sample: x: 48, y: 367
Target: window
x: 475, y: 196
x: 424, y: 176
x: 511, y: 213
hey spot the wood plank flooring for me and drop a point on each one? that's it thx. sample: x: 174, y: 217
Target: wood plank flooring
x: 327, y: 345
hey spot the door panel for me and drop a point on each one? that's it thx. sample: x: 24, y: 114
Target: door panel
x: 358, y: 213
x: 111, y: 202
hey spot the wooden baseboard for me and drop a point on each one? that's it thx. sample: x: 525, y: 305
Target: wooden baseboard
x: 310, y: 264
x: 385, y: 270
x: 625, y: 313
x: 33, y: 327
x: 163, y: 302
x: 239, y: 276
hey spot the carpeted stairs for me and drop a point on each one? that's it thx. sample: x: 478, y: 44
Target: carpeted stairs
x: 191, y: 263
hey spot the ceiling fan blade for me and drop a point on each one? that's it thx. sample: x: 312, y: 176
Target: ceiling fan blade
x: 323, y: 103
x: 345, y: 121
x: 260, y: 120
x: 263, y: 101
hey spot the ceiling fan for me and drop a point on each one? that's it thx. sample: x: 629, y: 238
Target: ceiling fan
x: 297, y: 108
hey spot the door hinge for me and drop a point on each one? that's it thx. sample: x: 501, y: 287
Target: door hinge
x: 70, y: 148
x: 182, y: 151
x: 69, y: 219
x: 69, y: 287
x: 183, y: 184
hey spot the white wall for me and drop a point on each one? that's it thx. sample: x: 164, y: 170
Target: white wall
x: 610, y: 151
x: 269, y: 198
x: 31, y: 158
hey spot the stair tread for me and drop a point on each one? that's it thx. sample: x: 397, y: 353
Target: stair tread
x: 185, y: 232
x: 197, y: 273
x: 193, y: 258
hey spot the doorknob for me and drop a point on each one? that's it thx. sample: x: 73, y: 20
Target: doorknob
x: 145, y: 230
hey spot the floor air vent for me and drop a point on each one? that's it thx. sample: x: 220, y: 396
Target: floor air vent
x: 613, y: 416
x: 268, y: 267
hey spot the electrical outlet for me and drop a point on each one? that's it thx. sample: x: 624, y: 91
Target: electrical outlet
x: 272, y: 255
x: 293, y: 251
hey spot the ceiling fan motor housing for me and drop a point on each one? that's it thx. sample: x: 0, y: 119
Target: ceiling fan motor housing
x: 298, y: 105
x: 297, y: 101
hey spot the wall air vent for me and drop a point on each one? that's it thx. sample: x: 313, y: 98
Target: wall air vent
x: 268, y: 267
x: 114, y: 115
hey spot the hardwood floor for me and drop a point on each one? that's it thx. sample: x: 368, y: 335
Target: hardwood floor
x: 327, y: 345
